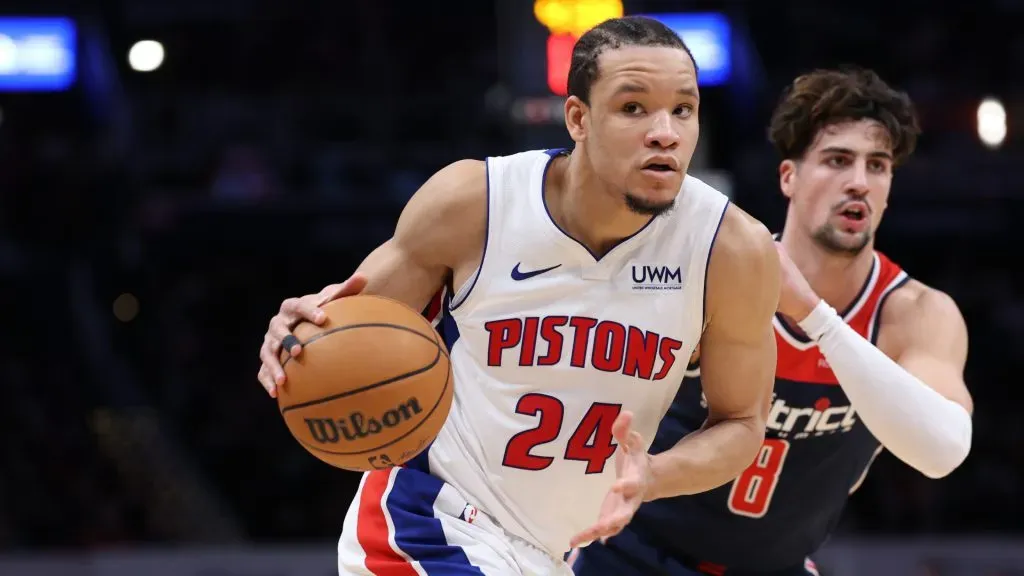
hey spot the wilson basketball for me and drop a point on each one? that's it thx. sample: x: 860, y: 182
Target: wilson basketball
x: 372, y: 386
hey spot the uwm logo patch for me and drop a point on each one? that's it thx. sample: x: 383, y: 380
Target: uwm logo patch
x: 657, y: 278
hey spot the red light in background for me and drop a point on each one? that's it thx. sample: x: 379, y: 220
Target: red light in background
x: 559, y: 58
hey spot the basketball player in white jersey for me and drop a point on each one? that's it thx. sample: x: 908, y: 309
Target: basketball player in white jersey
x: 581, y: 282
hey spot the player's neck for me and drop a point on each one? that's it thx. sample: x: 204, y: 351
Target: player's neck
x: 582, y: 206
x: 836, y: 279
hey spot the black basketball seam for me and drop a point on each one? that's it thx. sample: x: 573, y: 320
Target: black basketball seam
x: 369, y: 386
x: 447, y: 380
x: 326, y: 333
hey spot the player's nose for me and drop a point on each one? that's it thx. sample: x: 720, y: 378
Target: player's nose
x: 662, y: 133
x: 857, y: 184
x: 858, y: 179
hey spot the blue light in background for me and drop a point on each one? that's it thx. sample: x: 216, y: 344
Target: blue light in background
x: 37, y: 54
x: 709, y: 37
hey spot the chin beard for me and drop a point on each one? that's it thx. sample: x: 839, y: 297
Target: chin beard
x: 644, y: 207
x: 838, y: 243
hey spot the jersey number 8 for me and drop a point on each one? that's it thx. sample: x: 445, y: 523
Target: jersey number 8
x: 752, y: 491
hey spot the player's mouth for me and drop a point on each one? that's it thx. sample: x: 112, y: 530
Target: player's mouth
x: 660, y: 166
x: 854, y: 216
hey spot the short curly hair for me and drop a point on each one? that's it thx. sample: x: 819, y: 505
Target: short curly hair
x: 827, y: 97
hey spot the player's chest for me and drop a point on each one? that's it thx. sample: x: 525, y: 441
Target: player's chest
x: 571, y: 323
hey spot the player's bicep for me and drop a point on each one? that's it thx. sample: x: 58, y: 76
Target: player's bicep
x: 936, y: 346
x: 738, y: 351
x: 443, y: 224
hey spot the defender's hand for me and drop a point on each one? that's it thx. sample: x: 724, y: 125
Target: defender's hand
x: 633, y: 472
x: 293, y: 311
x: 796, y: 298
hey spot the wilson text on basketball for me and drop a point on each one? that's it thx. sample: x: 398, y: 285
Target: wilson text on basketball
x: 358, y: 425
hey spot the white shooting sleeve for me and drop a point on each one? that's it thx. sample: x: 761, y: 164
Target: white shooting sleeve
x: 914, y: 422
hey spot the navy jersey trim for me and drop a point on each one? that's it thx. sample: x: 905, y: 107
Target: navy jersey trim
x: 707, y: 266
x: 555, y: 153
x: 487, y: 236
x: 449, y: 332
x: 803, y: 339
x: 877, y: 320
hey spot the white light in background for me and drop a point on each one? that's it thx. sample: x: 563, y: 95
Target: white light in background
x: 146, y: 56
x: 991, y: 122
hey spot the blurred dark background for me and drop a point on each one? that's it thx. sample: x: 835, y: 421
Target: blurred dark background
x: 152, y: 221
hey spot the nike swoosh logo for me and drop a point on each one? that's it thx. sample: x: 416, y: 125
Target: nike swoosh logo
x: 517, y: 275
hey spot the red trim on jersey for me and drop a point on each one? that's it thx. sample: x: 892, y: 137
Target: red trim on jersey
x: 372, y: 530
x: 807, y: 364
x: 433, y: 311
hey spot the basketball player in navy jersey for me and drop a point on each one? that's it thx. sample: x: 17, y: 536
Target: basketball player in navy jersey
x: 581, y: 282
x: 885, y: 372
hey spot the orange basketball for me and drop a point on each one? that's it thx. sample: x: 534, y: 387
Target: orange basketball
x: 372, y: 386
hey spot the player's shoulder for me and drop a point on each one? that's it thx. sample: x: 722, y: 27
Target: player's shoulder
x: 743, y: 242
x: 446, y: 219
x: 461, y: 182
x: 456, y: 193
x: 914, y: 300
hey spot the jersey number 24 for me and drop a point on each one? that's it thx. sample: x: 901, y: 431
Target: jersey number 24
x: 752, y: 491
x: 592, y: 441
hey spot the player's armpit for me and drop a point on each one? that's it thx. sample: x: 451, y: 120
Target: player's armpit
x: 738, y: 358
x: 930, y: 334
x: 443, y: 228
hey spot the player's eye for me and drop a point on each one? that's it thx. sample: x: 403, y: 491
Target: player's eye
x: 632, y: 108
x: 877, y: 166
x: 837, y: 162
x: 684, y: 110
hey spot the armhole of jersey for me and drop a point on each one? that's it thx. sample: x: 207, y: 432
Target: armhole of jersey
x: 876, y: 316
x: 707, y: 267
x: 461, y: 294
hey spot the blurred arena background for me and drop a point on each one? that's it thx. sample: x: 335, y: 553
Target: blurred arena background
x: 170, y: 170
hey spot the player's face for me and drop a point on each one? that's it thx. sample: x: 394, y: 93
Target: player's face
x: 840, y: 189
x: 640, y: 128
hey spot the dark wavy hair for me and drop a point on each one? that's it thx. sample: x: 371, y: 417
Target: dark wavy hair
x: 827, y: 97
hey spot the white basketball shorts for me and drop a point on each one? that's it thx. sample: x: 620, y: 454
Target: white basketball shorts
x: 404, y: 522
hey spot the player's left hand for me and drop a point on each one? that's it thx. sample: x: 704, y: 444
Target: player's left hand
x: 796, y: 298
x: 633, y: 473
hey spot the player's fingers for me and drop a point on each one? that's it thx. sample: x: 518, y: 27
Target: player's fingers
x: 612, y: 533
x: 354, y: 285
x: 308, y: 308
x: 621, y: 428
x: 615, y: 524
x: 267, y: 381
x: 573, y: 554
x: 279, y: 336
x: 635, y: 441
x: 289, y: 310
x: 268, y: 355
x: 627, y: 487
x: 585, y: 537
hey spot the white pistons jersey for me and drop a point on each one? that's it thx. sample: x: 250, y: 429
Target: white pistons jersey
x: 553, y: 342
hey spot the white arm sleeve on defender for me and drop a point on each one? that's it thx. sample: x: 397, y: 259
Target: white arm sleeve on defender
x: 914, y: 422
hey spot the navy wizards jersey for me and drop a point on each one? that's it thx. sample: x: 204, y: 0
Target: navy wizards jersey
x: 816, y: 452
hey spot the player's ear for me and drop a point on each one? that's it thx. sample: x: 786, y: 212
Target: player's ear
x: 575, y: 115
x: 787, y: 174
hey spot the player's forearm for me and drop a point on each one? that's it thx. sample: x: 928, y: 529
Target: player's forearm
x: 913, y: 421
x: 707, y: 458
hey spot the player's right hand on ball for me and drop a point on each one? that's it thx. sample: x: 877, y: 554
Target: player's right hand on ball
x: 293, y: 311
